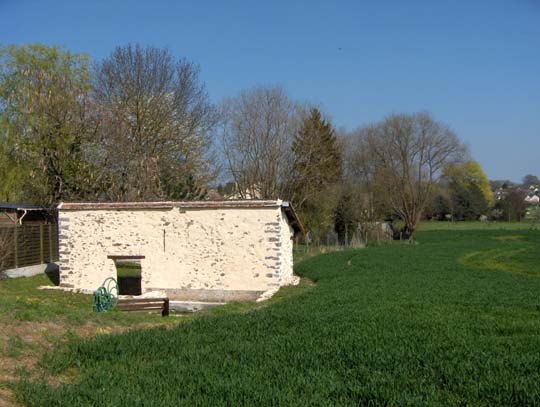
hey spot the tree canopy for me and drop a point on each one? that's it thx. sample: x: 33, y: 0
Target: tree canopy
x: 405, y: 157
x: 531, y: 180
x: 154, y: 119
x: 138, y: 126
x: 257, y: 130
x: 469, y: 189
x: 44, y: 126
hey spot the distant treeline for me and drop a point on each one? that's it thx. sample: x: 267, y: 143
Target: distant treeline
x: 139, y: 125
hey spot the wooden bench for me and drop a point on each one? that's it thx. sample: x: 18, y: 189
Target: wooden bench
x: 144, y: 305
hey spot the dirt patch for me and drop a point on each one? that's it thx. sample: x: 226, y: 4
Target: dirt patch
x: 6, y: 398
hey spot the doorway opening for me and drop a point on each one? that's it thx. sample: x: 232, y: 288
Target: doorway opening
x: 128, y: 274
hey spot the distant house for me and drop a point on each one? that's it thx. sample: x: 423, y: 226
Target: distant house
x: 193, y: 251
x: 500, y: 193
x: 253, y: 192
x: 534, y: 195
x: 530, y: 195
x: 233, y: 192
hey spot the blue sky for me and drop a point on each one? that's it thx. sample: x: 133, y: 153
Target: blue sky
x: 473, y: 64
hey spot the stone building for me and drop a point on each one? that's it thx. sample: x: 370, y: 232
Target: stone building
x: 193, y: 251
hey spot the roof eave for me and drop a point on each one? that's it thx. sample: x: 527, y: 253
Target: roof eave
x: 293, y: 218
x: 167, y: 205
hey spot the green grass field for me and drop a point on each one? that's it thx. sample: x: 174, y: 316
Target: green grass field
x: 34, y: 322
x: 21, y: 301
x: 475, y: 225
x: 451, y: 320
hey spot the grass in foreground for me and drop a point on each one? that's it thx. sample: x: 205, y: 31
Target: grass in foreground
x: 423, y: 324
x: 33, y: 322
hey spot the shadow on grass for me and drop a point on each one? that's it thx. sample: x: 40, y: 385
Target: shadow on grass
x: 52, y: 271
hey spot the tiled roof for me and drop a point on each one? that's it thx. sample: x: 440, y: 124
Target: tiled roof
x: 21, y: 206
x: 83, y: 206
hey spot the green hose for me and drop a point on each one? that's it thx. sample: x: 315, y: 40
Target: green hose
x: 106, y: 296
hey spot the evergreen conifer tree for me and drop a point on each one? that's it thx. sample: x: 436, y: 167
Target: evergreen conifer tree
x: 316, y: 171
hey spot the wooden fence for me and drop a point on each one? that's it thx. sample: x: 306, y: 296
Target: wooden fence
x: 28, y: 245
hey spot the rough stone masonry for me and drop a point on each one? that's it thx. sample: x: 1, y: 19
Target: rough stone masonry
x: 194, y: 251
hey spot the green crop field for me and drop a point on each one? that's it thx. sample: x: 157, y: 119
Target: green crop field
x: 476, y: 225
x: 451, y: 320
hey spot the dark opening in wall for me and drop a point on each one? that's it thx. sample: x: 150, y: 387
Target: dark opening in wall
x: 128, y: 272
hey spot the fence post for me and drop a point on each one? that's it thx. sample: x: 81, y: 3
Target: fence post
x: 49, y: 226
x: 41, y: 254
x: 15, y: 240
x: 165, y: 311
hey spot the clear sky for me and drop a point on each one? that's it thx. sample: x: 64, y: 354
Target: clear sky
x: 473, y: 64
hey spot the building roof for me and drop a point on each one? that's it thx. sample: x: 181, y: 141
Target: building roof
x: 21, y: 206
x: 86, y: 206
x: 292, y: 217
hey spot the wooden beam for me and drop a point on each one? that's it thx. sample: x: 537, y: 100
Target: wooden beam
x: 123, y: 257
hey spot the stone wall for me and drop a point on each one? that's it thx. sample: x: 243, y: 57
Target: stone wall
x: 286, y: 259
x: 192, y: 254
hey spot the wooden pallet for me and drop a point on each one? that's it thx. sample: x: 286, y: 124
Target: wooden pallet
x: 144, y: 305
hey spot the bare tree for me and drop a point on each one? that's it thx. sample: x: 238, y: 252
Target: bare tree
x: 258, y: 128
x: 403, y: 157
x: 155, y: 121
x: 367, y: 206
